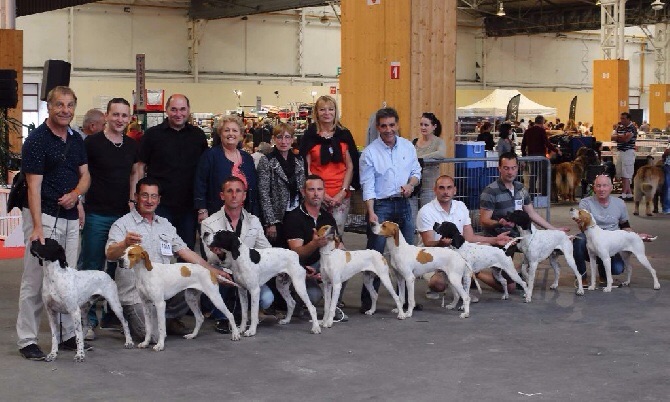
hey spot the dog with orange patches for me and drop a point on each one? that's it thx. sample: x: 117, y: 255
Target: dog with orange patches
x: 157, y: 282
x: 339, y: 265
x: 411, y: 262
x: 605, y: 243
x: 648, y: 183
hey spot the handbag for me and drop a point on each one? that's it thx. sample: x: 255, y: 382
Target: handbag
x: 18, y: 195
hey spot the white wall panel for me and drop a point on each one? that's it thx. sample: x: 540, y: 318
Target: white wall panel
x: 45, y: 36
x: 322, y: 49
x: 163, y: 37
x: 272, y: 47
x: 112, y: 31
x: 223, y: 46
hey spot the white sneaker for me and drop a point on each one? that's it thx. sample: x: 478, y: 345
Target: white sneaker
x: 90, y: 335
x: 432, y: 295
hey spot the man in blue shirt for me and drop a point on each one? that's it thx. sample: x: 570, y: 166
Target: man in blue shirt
x: 389, y: 171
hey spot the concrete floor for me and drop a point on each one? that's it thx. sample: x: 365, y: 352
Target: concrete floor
x: 559, y: 347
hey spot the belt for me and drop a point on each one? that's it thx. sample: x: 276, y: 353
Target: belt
x: 394, y: 198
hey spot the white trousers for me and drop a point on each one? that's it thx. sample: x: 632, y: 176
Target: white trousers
x: 30, y: 296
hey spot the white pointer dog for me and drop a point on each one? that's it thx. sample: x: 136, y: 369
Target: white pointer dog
x: 64, y: 290
x: 252, y: 268
x: 411, y: 261
x: 538, y: 245
x: 605, y: 243
x: 481, y: 256
x: 339, y: 265
x: 157, y: 282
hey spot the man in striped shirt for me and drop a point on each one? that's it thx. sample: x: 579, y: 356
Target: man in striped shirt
x: 625, y: 136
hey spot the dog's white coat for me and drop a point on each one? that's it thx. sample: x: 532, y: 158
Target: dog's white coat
x: 410, y: 262
x: 64, y: 290
x: 157, y: 282
x: 605, y: 243
x: 338, y: 266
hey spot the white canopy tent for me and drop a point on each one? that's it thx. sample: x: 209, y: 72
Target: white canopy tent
x: 495, y: 105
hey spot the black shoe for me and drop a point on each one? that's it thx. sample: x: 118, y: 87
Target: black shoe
x: 174, y: 326
x: 363, y: 309
x: 222, y: 326
x: 32, y: 352
x: 71, y: 344
x: 417, y: 307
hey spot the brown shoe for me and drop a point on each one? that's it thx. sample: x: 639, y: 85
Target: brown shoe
x: 174, y: 326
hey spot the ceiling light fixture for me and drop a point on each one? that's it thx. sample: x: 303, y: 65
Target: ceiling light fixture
x: 597, y: 2
x: 657, y: 5
x: 501, y: 10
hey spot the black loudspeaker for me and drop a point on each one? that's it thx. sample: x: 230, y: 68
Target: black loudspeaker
x: 636, y: 115
x: 9, y: 89
x: 56, y: 73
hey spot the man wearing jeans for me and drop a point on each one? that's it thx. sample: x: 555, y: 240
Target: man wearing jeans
x: 54, y: 161
x: 112, y: 161
x: 389, y: 171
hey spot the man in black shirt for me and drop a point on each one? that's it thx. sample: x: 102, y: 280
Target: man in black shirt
x: 301, y: 225
x: 170, y: 153
x: 112, y: 161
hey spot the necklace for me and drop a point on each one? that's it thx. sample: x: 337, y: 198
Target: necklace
x: 116, y: 144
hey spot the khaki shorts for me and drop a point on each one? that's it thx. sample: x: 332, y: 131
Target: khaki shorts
x: 625, y: 163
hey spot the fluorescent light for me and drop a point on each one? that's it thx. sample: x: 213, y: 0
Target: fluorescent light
x: 501, y: 10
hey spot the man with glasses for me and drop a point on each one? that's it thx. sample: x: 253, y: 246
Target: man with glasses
x: 504, y: 196
x: 159, y: 238
x: 54, y: 162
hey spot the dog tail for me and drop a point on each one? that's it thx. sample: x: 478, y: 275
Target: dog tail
x: 474, y: 278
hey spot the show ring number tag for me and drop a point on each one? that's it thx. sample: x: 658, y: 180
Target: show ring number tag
x: 166, y: 248
x: 518, y: 205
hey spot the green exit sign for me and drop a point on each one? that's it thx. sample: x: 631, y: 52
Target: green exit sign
x: 339, y: 71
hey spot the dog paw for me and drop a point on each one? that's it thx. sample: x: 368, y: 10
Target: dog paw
x: 592, y: 287
x: 504, y: 297
x: 553, y: 286
x: 189, y: 336
x: 657, y: 286
x: 580, y: 292
x: 474, y: 299
x: 284, y: 321
x: 51, y: 357
x: 607, y: 289
x: 370, y: 312
x: 450, y: 306
x: 159, y: 347
x: 235, y: 336
x: 395, y: 310
x: 143, y: 345
x: 402, y: 316
x: 249, y: 332
x: 465, y: 315
x: 79, y: 358
x: 316, y: 329
x: 129, y: 345
x: 527, y: 299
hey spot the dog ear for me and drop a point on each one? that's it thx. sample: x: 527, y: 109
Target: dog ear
x: 254, y: 255
x: 457, y: 241
x: 147, y: 261
x: 235, y: 248
x: 396, y: 235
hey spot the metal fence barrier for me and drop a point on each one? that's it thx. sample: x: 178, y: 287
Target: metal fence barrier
x: 471, y: 176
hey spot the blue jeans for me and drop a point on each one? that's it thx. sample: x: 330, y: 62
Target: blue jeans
x: 666, y: 189
x: 581, y: 256
x: 228, y: 296
x: 396, y: 210
x: 185, y: 221
x: 92, y: 253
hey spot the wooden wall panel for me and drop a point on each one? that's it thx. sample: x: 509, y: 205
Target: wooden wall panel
x: 610, y: 95
x: 11, y: 57
x: 372, y: 38
x: 659, y: 94
x: 433, y: 54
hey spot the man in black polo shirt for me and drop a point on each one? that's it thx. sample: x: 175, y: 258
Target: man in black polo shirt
x: 56, y: 168
x: 301, y: 225
x: 170, y: 153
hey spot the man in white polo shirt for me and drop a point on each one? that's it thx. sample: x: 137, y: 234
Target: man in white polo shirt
x: 443, y: 208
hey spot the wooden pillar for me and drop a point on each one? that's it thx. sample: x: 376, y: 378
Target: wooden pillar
x: 659, y: 95
x: 11, y: 57
x: 610, y: 95
x: 402, y: 53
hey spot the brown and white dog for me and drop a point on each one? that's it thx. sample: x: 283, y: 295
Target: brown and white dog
x: 605, y: 243
x: 648, y: 183
x: 410, y: 262
x: 339, y: 265
x: 157, y: 282
x: 569, y: 174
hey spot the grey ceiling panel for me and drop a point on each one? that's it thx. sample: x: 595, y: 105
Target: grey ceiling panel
x: 28, y: 7
x: 214, y: 9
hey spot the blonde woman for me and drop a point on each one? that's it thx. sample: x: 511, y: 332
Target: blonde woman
x: 330, y: 152
x: 223, y: 160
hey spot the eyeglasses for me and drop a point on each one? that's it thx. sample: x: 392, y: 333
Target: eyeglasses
x: 147, y: 196
x: 283, y: 137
